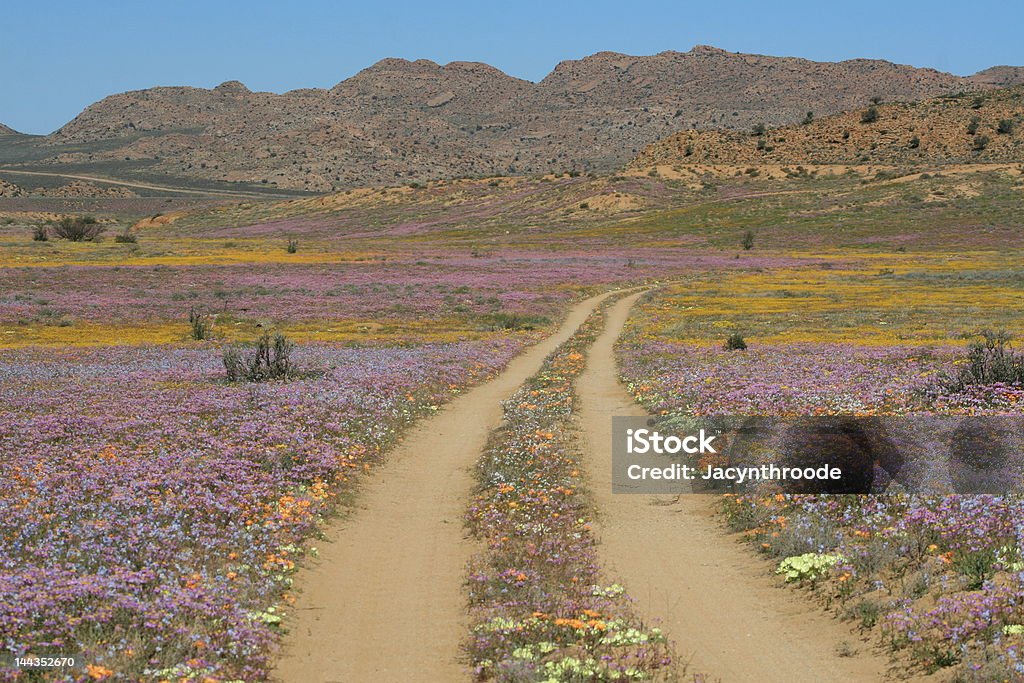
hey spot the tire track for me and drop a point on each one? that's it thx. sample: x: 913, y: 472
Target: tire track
x: 384, y: 602
x: 712, y: 597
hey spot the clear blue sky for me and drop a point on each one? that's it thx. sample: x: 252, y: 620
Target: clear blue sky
x: 57, y: 57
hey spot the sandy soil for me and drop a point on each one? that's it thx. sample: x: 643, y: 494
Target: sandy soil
x: 384, y: 602
x: 712, y: 596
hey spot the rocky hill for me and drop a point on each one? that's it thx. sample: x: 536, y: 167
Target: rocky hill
x: 6, y: 130
x: 1000, y: 76
x: 982, y: 127
x: 401, y: 121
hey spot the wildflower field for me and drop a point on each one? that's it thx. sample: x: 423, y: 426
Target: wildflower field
x: 154, y: 516
x: 939, y: 579
x: 153, y: 513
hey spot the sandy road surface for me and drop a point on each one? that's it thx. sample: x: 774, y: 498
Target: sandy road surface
x: 710, y: 594
x: 384, y: 602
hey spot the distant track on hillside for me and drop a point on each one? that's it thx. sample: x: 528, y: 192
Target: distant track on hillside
x: 152, y: 186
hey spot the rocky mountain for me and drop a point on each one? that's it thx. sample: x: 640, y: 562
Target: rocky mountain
x: 982, y: 127
x: 399, y: 121
x: 1000, y: 76
x: 6, y: 130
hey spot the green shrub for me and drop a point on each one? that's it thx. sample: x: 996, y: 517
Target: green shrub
x: 269, y: 360
x: 514, y: 321
x: 735, y: 342
x: 868, y: 613
x: 78, y: 229
x: 977, y: 566
x: 980, y: 142
x: 990, y: 360
x: 1006, y: 127
x: 748, y: 240
x: 40, y: 233
x: 126, y: 237
x: 293, y: 246
x: 202, y: 326
x: 869, y: 115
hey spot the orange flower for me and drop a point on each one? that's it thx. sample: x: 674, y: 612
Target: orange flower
x: 98, y: 673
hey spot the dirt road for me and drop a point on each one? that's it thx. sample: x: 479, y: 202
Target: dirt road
x: 384, y: 602
x: 151, y: 186
x: 710, y: 594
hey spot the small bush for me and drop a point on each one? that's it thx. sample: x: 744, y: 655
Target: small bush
x: 759, y: 129
x: 202, y: 326
x: 809, y: 119
x: 990, y: 360
x: 977, y: 566
x: 869, y: 115
x: 126, y: 237
x: 972, y: 127
x: 868, y: 612
x: 514, y: 321
x: 915, y: 142
x: 78, y: 229
x: 269, y: 360
x: 735, y: 342
x: 293, y: 246
x: 40, y: 233
x: 980, y: 142
x: 1006, y: 127
x: 748, y: 240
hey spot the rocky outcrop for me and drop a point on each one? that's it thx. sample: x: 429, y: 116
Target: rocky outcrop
x: 983, y: 127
